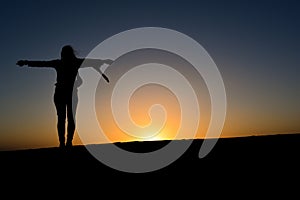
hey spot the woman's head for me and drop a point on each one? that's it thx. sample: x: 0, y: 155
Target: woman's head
x: 67, y: 52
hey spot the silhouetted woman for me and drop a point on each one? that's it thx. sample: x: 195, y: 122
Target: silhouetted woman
x: 67, y: 79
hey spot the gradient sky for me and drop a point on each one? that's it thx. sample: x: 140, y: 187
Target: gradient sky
x: 255, y: 44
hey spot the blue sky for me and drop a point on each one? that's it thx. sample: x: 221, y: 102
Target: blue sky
x: 255, y: 44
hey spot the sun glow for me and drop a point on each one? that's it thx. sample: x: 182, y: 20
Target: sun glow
x: 162, y: 135
x: 154, y: 137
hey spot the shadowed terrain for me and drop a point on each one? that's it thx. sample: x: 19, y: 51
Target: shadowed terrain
x: 260, y: 160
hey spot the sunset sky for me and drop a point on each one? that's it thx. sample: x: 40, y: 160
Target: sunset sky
x: 255, y: 45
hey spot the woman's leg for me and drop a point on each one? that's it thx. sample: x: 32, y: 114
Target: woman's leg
x: 60, y: 106
x: 71, y: 111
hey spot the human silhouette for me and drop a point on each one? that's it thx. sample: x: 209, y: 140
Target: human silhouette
x: 67, y: 83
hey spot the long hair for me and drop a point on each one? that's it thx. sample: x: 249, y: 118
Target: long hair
x: 67, y: 53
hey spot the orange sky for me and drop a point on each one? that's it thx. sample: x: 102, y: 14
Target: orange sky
x: 33, y: 125
x: 254, y: 45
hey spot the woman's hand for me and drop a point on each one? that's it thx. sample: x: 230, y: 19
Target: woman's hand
x: 21, y: 63
x: 108, y: 61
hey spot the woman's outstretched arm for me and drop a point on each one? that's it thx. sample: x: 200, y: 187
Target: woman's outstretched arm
x: 90, y: 62
x: 30, y: 63
x: 96, y: 64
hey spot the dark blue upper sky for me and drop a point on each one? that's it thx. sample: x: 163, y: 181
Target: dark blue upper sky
x: 240, y: 32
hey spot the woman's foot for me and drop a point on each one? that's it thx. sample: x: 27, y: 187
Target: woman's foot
x: 69, y: 144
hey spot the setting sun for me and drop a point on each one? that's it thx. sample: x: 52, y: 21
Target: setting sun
x: 260, y: 73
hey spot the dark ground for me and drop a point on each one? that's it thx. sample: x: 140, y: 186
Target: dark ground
x: 253, y: 163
